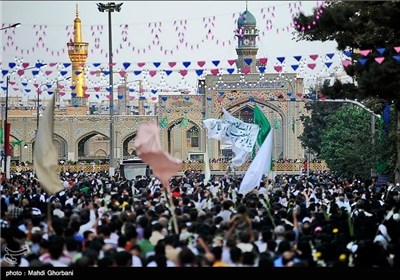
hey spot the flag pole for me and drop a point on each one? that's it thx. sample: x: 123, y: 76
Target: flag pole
x: 171, y: 205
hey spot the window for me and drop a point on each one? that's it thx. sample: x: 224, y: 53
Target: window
x: 192, y: 137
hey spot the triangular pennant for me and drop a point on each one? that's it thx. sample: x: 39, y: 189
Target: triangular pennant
x: 152, y: 73
x: 397, y: 49
x: 328, y: 64
x: 365, y: 52
x: 248, y: 61
x: 171, y: 64
x: 214, y: 71
x: 348, y: 53
x: 216, y: 62
x: 330, y: 55
x: 199, y: 72
x: 11, y: 65
x: 314, y: 56
x: 73, y: 94
x: 311, y: 65
x: 4, y: 72
x: 63, y: 73
x: 263, y: 61
x: 126, y: 65
x: 231, y: 61
x: 183, y: 72
x: 186, y: 63
x: 396, y: 57
x: 168, y: 72
x: 97, y: 64
x: 278, y: 68
x: 379, y: 59
x: 67, y: 64
x: 362, y: 60
x: 230, y: 70
x: 77, y: 73
x: 261, y: 69
x: 297, y: 57
x: 246, y: 70
x: 201, y: 63
x: 156, y: 64
x: 141, y: 64
x: 137, y: 72
x: 281, y: 59
x: 381, y: 50
x: 346, y: 63
x: 122, y: 73
x: 294, y: 66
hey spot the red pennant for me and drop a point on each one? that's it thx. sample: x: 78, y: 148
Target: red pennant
x: 183, y: 72
x: 171, y: 64
x: 84, y: 88
x: 86, y: 95
x: 152, y: 73
x: 311, y: 65
x: 201, y: 63
x: 263, y: 61
x: 122, y: 73
x: 278, y: 68
x: 97, y: 89
x: 379, y: 59
x: 48, y: 72
x: 214, y: 72
x: 246, y: 70
x: 20, y: 72
x: 61, y: 93
x: 231, y: 61
x: 141, y: 64
x: 314, y: 56
x: 25, y: 64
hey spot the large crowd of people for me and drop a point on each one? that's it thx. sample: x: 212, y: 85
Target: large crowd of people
x: 320, y: 220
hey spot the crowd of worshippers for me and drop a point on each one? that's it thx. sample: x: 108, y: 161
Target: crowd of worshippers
x: 319, y: 220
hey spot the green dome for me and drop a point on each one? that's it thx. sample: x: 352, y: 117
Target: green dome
x: 246, y: 19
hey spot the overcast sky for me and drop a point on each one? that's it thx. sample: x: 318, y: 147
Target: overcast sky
x: 171, y: 21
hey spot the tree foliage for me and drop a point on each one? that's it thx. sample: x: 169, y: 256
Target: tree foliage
x: 364, y: 25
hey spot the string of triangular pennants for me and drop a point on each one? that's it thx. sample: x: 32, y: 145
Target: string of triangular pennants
x: 186, y: 64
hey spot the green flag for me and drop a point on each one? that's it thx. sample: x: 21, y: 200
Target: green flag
x: 17, y: 143
x: 261, y: 120
x: 1, y: 136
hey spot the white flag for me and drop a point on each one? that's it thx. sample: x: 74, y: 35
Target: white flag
x: 207, y: 172
x: 230, y: 130
x: 260, y: 165
x: 45, y: 159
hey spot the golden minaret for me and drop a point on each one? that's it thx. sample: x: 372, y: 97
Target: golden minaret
x: 78, y: 52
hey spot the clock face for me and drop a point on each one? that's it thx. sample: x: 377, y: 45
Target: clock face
x: 246, y: 41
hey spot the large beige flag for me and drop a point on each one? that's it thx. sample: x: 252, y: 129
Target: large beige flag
x: 45, y: 160
x: 148, y: 148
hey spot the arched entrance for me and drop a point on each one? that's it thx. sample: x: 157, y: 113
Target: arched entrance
x: 93, y: 146
x: 128, y: 148
x: 184, y: 138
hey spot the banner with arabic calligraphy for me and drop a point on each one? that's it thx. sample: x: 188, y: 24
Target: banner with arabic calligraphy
x: 230, y: 130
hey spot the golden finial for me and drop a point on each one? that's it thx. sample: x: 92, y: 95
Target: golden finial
x: 77, y: 12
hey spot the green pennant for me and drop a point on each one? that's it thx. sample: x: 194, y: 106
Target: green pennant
x: 1, y: 136
x: 184, y: 122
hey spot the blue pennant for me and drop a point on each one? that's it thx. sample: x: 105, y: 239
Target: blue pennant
x: 199, y: 72
x: 106, y: 72
x: 328, y: 64
x: 348, y: 53
x: 35, y: 72
x: 154, y: 91
x: 24, y: 84
x: 381, y: 50
x: 131, y: 90
x: 248, y: 61
x: 216, y: 62
x: 295, y: 66
x: 78, y: 73
x: 50, y: 92
x: 68, y: 64
x: 39, y: 65
x: 108, y: 89
x: 330, y: 55
x: 156, y: 64
x: 164, y: 98
x: 11, y: 65
x: 186, y: 64
x: 71, y: 87
x: 4, y: 72
x: 63, y: 73
x: 362, y: 60
x: 168, y: 72
x: 137, y: 72
x: 297, y: 57
x: 281, y: 59
x: 126, y: 65
x: 209, y: 98
x: 73, y: 94
x: 262, y: 69
x: 4, y: 88
x: 221, y: 93
x: 396, y: 57
x: 95, y: 64
x: 120, y: 96
x: 142, y: 97
x: 230, y: 70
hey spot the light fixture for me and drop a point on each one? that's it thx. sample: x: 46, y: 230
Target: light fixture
x: 25, y: 146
